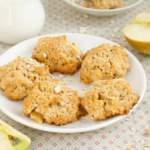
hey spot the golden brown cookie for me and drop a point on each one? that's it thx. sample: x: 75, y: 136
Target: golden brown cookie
x: 82, y: 112
x: 108, y: 98
x: 100, y: 4
x: 59, y: 54
x: 104, y: 62
x: 52, y: 102
x: 107, y: 4
x: 18, y: 77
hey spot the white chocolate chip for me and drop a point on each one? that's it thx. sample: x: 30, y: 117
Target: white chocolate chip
x: 57, y: 89
x: 30, y: 61
x: 78, y: 56
x: 28, y: 66
x: 69, y: 94
x: 44, y: 54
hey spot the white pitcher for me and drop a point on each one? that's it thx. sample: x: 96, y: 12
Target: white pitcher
x: 20, y: 20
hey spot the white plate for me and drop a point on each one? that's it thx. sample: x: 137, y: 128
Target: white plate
x: 135, y: 76
x: 110, y: 12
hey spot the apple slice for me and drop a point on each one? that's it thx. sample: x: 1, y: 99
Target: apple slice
x: 138, y: 35
x: 142, y: 18
x: 11, y: 139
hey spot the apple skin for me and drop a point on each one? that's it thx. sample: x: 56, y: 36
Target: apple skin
x: 143, y: 47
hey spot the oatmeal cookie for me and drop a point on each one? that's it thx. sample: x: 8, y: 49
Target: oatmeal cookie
x: 104, y: 62
x: 59, y: 54
x: 100, y: 4
x: 107, y: 4
x: 52, y: 102
x: 82, y: 112
x: 108, y: 98
x: 17, y: 78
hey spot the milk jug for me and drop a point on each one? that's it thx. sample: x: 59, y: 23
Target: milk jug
x: 20, y: 20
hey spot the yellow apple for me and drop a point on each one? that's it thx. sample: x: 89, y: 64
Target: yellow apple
x: 142, y: 18
x: 11, y: 139
x: 138, y: 36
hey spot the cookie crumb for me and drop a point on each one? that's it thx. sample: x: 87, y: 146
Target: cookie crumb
x: 137, y: 147
x: 137, y: 140
x: 116, y: 30
x: 82, y: 30
x: 112, y: 22
x: 78, y: 16
x: 127, y: 119
x: 125, y: 3
x: 58, y: 17
x: 64, y: 22
x: 128, y: 148
x: 118, y: 37
x: 86, y: 16
x: 132, y: 129
x: 148, y: 130
x: 124, y: 40
x: 113, y: 35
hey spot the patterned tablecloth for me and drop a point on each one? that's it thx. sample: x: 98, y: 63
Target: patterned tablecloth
x: 61, y: 18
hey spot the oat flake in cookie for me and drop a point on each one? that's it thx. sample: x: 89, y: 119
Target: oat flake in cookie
x: 59, y: 54
x: 18, y: 77
x: 49, y: 102
x: 104, y: 62
x: 108, y: 98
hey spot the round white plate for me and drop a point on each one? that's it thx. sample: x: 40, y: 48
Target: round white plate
x: 110, y: 12
x: 135, y: 76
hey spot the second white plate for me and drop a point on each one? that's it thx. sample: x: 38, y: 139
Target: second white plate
x: 109, y: 12
x: 14, y: 109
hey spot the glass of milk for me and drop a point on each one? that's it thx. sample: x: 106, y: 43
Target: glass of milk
x: 20, y: 20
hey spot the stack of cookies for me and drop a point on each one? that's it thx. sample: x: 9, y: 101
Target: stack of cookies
x: 47, y: 100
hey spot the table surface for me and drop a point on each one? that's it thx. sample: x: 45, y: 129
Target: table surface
x: 61, y: 18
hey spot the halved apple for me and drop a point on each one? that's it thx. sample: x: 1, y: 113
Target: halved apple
x: 142, y: 18
x: 138, y: 35
x: 11, y: 139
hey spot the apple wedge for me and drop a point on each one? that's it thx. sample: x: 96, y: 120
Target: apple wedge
x: 138, y: 36
x: 142, y: 18
x: 11, y: 139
